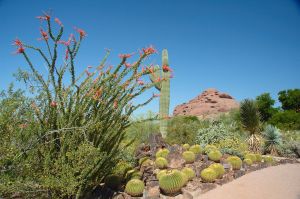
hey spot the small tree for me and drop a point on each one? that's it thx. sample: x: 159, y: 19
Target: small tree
x: 250, y: 120
x: 265, y: 106
x: 290, y: 99
x: 79, y: 120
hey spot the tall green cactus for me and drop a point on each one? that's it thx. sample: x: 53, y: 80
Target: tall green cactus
x: 163, y: 86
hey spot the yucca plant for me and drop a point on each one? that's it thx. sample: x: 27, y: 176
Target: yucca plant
x: 273, y: 140
x: 250, y: 120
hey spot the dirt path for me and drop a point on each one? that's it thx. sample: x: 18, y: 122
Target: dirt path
x: 278, y: 182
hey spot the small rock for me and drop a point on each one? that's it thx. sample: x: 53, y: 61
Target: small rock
x: 152, y: 193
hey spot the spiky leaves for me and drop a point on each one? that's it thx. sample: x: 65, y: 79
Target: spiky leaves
x: 273, y: 140
x: 250, y: 119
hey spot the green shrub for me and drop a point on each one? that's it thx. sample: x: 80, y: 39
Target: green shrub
x: 186, y: 146
x: 232, y: 152
x: 217, y: 131
x: 189, y: 156
x: 235, y: 162
x: 161, y: 162
x: 190, y: 173
x: 236, y: 144
x: 208, y: 148
x: 208, y: 175
x: 135, y: 187
x: 195, y: 149
x: 248, y: 161
x: 171, y: 182
x: 162, y: 153
x: 215, y: 155
x: 122, y: 168
x: 182, y: 129
x: 286, y: 120
x: 219, y: 169
x: 273, y: 140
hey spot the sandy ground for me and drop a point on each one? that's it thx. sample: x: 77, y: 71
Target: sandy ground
x: 278, y: 182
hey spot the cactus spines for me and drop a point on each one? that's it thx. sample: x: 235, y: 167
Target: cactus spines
x: 189, y: 156
x: 171, y: 182
x: 258, y: 157
x: 135, y: 187
x: 208, y: 175
x: 163, y: 86
x: 190, y: 173
x: 215, y: 155
x: 235, y: 162
x: 162, y: 153
x: 196, y: 149
x: 268, y: 159
x: 209, y: 148
x: 248, y: 161
x: 161, y: 162
x: 250, y: 156
x: 161, y: 173
x: 186, y: 146
x: 219, y: 169
x: 133, y: 174
x: 185, y: 178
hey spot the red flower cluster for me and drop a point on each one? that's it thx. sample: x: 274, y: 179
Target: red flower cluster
x: 19, y: 44
x: 166, y: 68
x: 58, y: 22
x: 44, y: 35
x: 122, y: 56
x: 150, y: 50
x: 81, y: 32
x: 53, y: 104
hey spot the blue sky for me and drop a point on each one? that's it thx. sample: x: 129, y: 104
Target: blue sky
x: 243, y: 48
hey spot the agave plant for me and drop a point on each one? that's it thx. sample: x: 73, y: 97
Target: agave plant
x: 250, y: 119
x: 273, y: 139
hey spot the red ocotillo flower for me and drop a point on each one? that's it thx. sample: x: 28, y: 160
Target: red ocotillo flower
x: 58, y: 22
x: 125, y: 55
x: 53, y: 104
x: 44, y: 35
x: 81, y: 32
x: 17, y: 42
x: 150, y: 50
x: 67, y: 54
x: 166, y: 68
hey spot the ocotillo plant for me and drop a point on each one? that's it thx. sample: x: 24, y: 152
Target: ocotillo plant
x: 162, y: 77
x: 79, y: 120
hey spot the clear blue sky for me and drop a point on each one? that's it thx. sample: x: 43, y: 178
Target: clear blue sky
x: 240, y: 47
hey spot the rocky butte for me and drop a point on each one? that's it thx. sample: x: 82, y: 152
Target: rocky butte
x: 209, y: 104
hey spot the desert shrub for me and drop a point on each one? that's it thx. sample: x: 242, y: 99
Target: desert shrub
x: 217, y: 131
x: 208, y: 175
x: 286, y: 120
x: 234, y: 144
x: 232, y: 152
x: 182, y: 129
x: 72, y: 130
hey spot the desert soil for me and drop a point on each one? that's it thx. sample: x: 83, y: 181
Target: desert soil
x: 277, y: 182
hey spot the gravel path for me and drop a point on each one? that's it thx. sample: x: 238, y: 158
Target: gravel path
x: 277, y: 182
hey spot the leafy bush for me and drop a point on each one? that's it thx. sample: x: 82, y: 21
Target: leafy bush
x: 215, y: 132
x: 233, y: 144
x: 182, y: 129
x: 286, y: 120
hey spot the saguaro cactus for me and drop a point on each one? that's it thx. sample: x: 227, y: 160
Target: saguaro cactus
x: 164, y: 74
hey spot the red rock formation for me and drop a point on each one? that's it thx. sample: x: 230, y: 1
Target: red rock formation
x: 208, y: 104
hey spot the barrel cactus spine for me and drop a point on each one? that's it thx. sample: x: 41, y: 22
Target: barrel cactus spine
x: 186, y: 146
x: 235, y: 162
x: 161, y: 162
x: 258, y: 157
x: 135, y: 187
x: 250, y: 156
x: 215, y: 155
x: 248, y: 162
x: 190, y: 173
x: 189, y: 156
x: 164, y: 74
x: 209, y: 148
x: 196, y: 149
x: 162, y: 153
x: 208, y: 175
x: 219, y: 169
x: 171, y: 182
